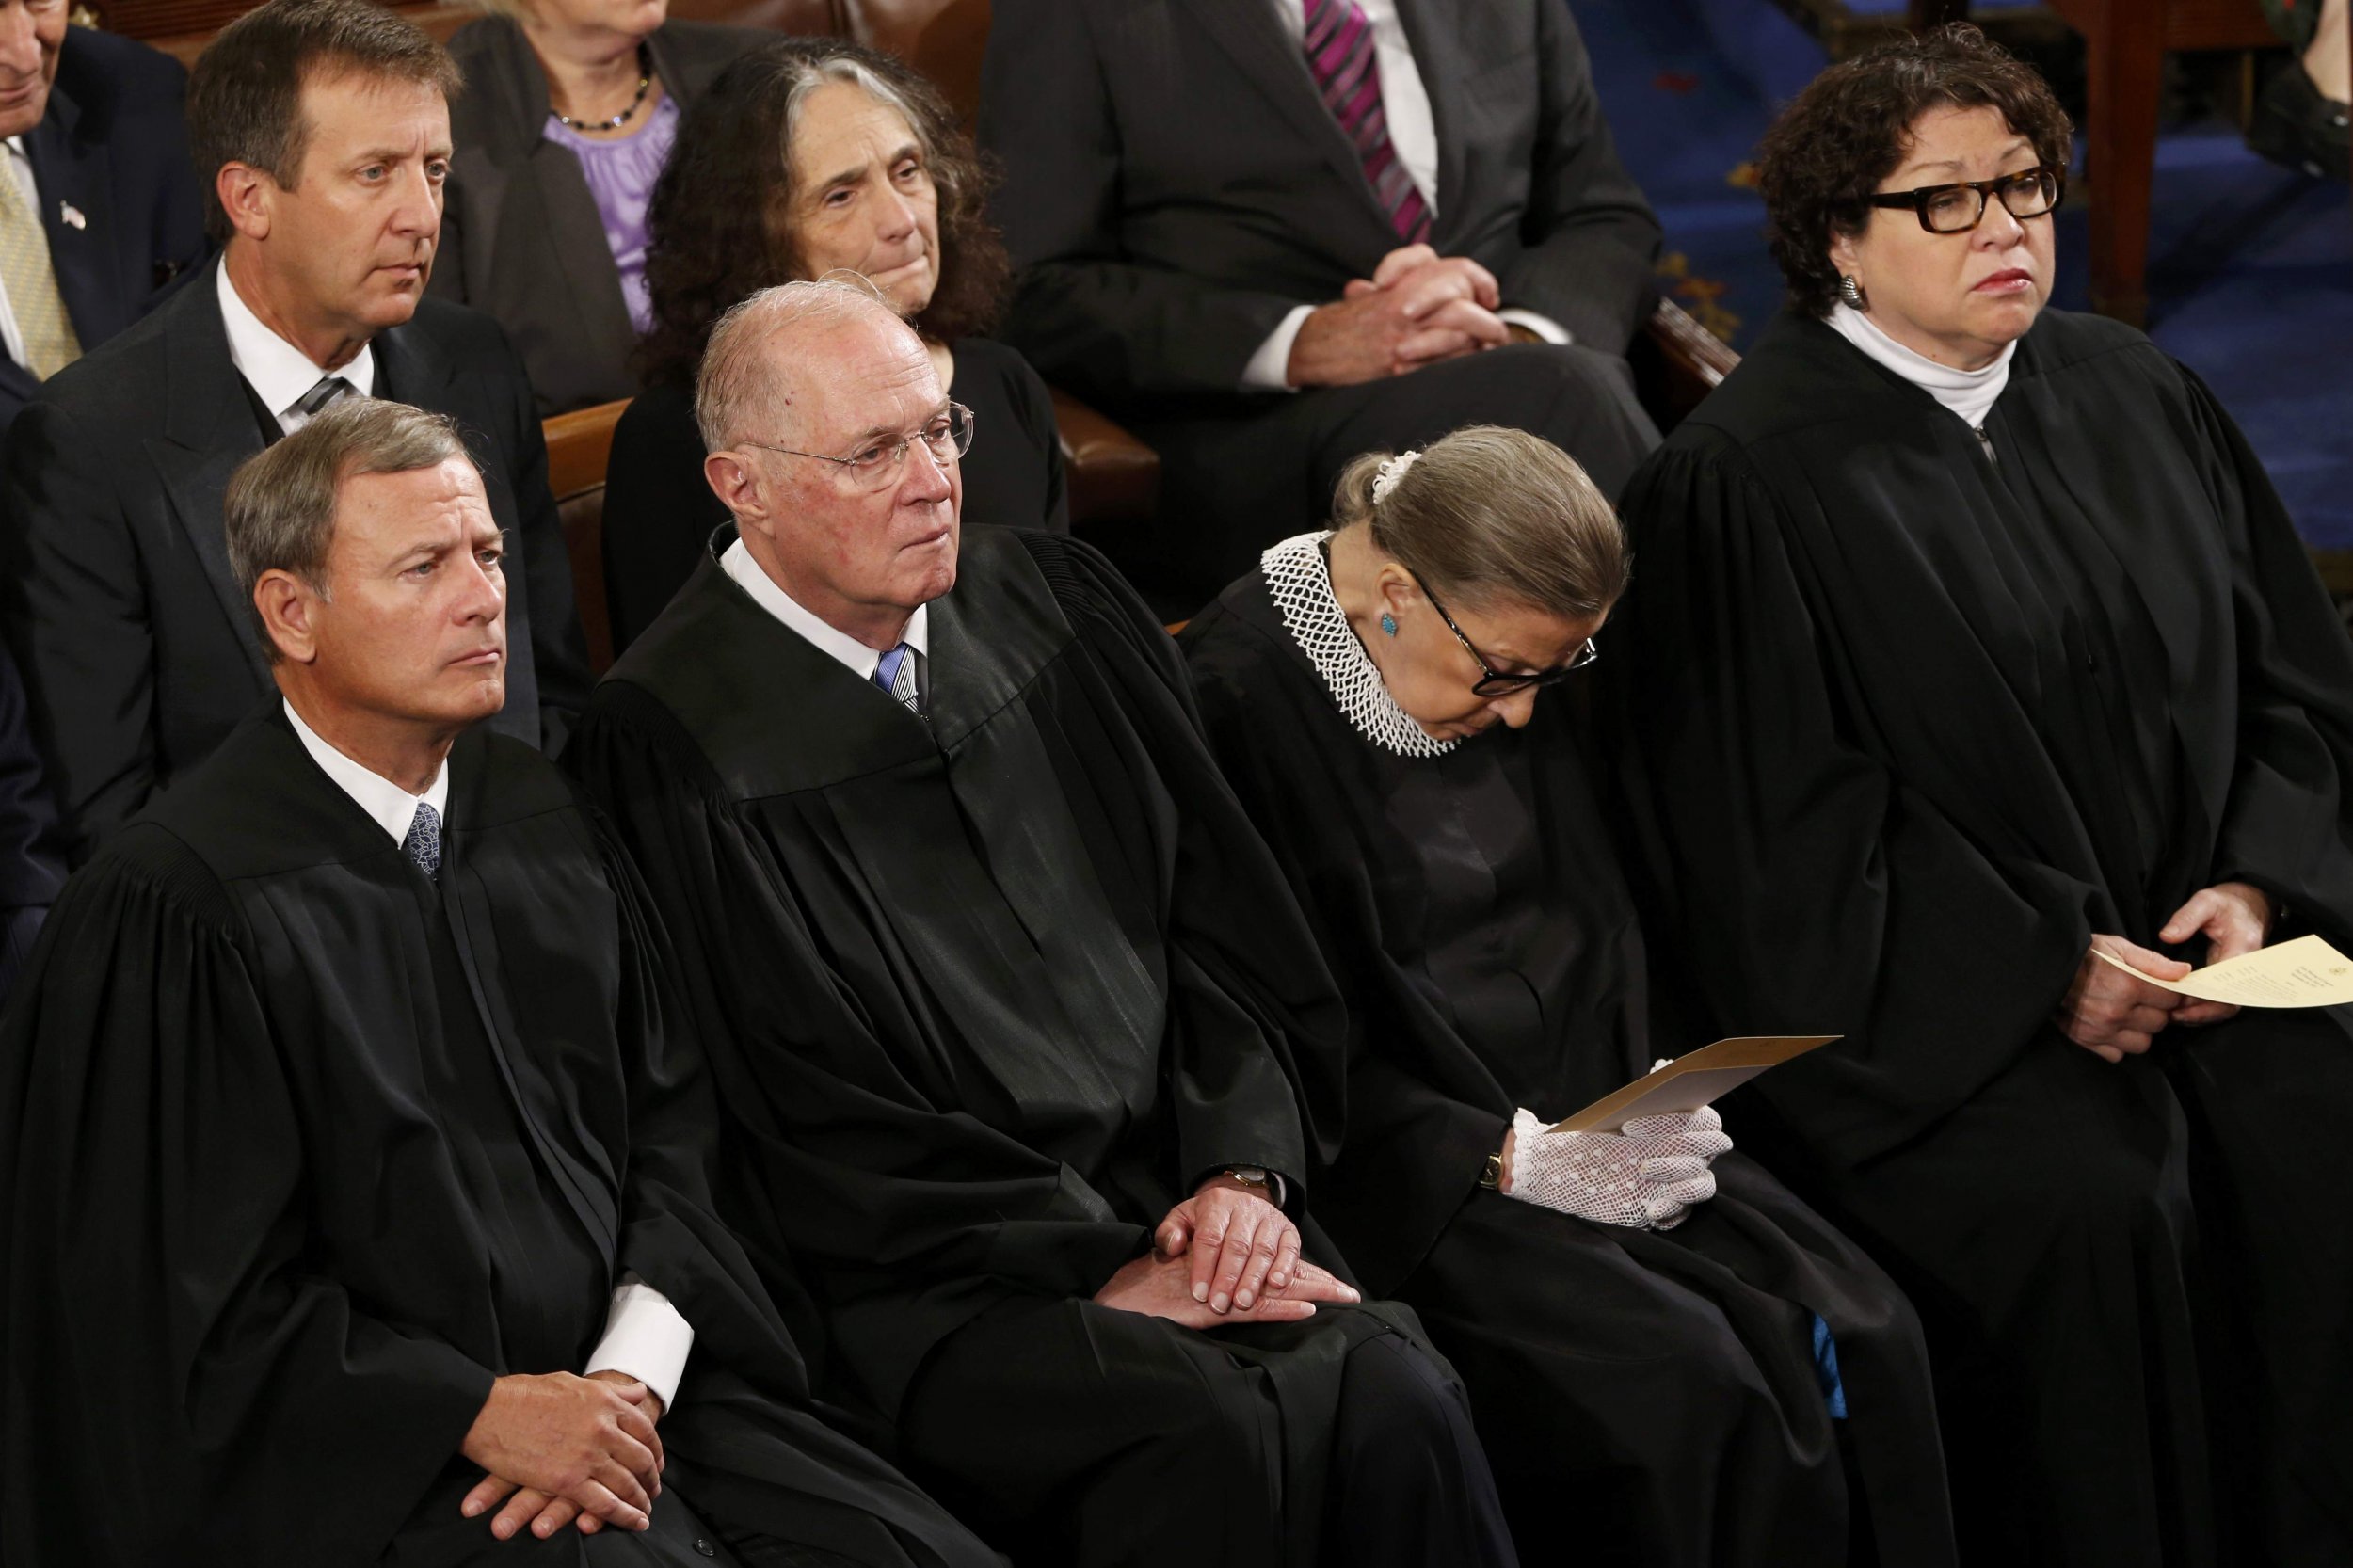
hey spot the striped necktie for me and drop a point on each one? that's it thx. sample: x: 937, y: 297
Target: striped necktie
x: 894, y: 672
x: 323, y: 394
x: 1340, y: 53
x: 50, y: 344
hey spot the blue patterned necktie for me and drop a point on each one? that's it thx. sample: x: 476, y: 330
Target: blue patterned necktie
x: 424, y: 844
x: 894, y: 672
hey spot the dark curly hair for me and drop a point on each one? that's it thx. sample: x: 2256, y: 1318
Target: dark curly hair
x: 715, y: 227
x: 1852, y: 128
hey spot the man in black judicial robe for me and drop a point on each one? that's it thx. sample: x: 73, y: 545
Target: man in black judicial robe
x: 350, y: 1113
x: 1005, y: 998
x: 1920, y: 716
x: 1664, y: 1387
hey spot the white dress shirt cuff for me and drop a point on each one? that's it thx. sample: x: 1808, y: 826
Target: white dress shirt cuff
x: 1543, y: 327
x: 646, y: 1337
x: 1270, y: 368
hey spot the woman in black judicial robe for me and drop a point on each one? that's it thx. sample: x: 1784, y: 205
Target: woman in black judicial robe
x: 305, y: 1148
x: 742, y: 206
x: 1970, y: 636
x: 1650, y: 1396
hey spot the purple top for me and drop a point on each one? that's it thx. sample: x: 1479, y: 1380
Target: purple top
x: 620, y: 178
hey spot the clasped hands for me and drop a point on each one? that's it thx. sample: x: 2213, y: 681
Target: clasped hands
x: 1224, y: 1255
x: 2114, y: 1014
x: 561, y: 1449
x: 1418, y: 308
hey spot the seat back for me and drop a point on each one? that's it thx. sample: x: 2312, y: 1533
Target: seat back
x: 580, y: 445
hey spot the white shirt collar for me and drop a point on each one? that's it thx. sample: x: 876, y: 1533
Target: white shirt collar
x: 1970, y: 393
x: 279, y: 370
x: 853, y: 655
x: 393, y: 808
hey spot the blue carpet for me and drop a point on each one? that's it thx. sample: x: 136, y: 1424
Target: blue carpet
x: 2250, y: 266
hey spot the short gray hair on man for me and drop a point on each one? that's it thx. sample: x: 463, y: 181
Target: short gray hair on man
x: 736, y: 390
x: 280, y: 512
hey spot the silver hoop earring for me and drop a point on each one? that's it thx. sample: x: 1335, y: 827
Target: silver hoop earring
x: 1852, y: 292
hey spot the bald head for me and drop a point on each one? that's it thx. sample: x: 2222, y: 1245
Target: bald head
x: 830, y: 444
x: 767, y: 356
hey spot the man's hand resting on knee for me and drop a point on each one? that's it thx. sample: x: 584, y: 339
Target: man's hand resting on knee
x: 559, y: 1449
x: 1224, y: 1255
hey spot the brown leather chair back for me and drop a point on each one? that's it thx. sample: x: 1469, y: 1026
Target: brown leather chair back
x: 580, y: 444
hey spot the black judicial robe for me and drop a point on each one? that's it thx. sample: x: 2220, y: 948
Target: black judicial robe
x: 1916, y: 723
x: 1659, y: 1388
x: 987, y: 993
x: 304, y: 1150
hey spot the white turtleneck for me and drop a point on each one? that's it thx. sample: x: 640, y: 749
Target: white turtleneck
x: 1970, y: 393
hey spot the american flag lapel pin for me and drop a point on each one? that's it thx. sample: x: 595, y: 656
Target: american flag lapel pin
x: 72, y: 216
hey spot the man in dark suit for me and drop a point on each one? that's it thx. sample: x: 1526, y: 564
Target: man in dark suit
x: 101, y: 212
x: 1272, y: 234
x: 326, y: 125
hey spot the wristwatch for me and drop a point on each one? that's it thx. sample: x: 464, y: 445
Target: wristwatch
x: 1250, y: 1176
x: 1492, y: 1177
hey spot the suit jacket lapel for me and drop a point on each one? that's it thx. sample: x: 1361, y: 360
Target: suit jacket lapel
x: 68, y: 171
x: 208, y: 430
x: 1248, y: 31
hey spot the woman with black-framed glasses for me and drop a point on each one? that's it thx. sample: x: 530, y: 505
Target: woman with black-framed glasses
x: 1974, y: 656
x: 1660, y: 1342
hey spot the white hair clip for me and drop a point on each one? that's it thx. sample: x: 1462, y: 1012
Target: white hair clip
x: 1391, y: 470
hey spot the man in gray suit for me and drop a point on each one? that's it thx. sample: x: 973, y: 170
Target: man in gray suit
x: 1272, y: 234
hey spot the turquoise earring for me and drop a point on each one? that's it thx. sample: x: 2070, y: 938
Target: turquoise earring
x: 1388, y: 624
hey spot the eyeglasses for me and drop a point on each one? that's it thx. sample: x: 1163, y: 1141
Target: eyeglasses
x: 1491, y: 685
x: 877, y: 465
x: 1957, y: 209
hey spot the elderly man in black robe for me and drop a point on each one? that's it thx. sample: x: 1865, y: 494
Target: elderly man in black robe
x: 355, y: 1208
x: 1010, y: 1005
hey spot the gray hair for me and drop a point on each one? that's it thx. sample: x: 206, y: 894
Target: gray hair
x: 280, y: 512
x: 737, y: 385
x: 1488, y: 517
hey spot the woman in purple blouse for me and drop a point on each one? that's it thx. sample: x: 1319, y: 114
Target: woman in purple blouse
x: 570, y: 113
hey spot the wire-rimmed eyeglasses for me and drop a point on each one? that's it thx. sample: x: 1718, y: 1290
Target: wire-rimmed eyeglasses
x: 1492, y: 684
x: 878, y: 464
x: 1956, y: 209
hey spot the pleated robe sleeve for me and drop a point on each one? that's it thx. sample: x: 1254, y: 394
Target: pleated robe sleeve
x: 1415, y: 1149
x: 1256, y: 1020
x: 1816, y: 892
x: 2287, y: 825
x: 182, y: 1388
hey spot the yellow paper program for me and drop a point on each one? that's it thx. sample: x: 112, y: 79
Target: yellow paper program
x: 2306, y: 972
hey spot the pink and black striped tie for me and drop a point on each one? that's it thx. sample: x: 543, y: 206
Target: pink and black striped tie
x: 1340, y: 52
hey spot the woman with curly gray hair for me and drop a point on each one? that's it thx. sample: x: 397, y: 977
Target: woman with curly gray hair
x: 1983, y: 688
x: 1659, y: 1341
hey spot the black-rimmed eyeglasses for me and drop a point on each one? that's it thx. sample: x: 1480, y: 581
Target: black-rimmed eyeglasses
x: 1492, y: 684
x: 1957, y: 209
x: 877, y: 465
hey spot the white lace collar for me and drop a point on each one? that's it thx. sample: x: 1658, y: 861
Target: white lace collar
x: 1299, y: 582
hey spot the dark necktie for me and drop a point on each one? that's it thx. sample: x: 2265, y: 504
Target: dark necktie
x: 1340, y: 53
x: 424, y: 844
x: 329, y: 391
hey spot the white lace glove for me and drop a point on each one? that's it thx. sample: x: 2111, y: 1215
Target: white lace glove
x: 1644, y: 1175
